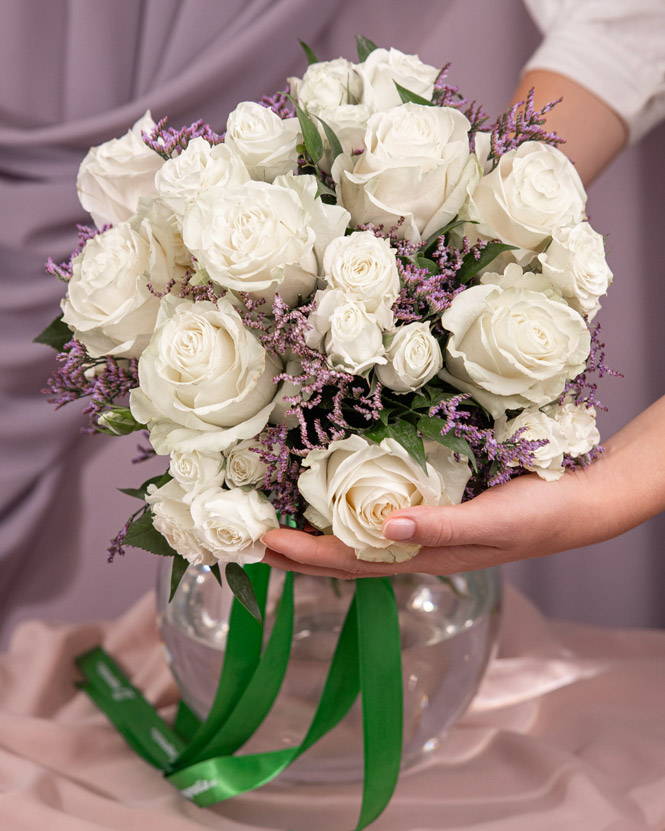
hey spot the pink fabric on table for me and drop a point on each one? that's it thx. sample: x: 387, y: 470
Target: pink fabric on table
x: 567, y: 731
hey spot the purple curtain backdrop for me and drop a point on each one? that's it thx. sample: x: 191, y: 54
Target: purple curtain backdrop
x: 78, y: 72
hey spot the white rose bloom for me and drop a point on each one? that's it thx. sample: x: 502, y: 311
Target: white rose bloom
x: 384, y: 67
x: 532, y: 191
x: 416, y: 165
x: 243, y: 465
x: 548, y: 459
x: 353, y: 485
x: 108, y: 304
x: 196, y: 471
x: 198, y: 168
x: 326, y: 85
x: 346, y: 332
x: 256, y: 238
x: 364, y: 267
x: 414, y: 358
x: 113, y: 176
x: 512, y: 347
x: 230, y: 523
x: 204, y: 380
x: 578, y: 423
x: 265, y: 142
x: 173, y: 520
x: 575, y: 264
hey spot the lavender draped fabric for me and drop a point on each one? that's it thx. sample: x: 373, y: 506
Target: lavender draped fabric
x: 77, y: 72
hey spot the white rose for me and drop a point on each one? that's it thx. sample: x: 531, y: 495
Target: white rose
x: 109, y: 306
x: 265, y: 142
x: 353, y: 485
x: 548, y: 459
x: 416, y: 165
x: 512, y: 347
x: 349, y: 123
x: 243, y: 464
x: 196, y: 471
x: 346, y: 332
x: 364, y: 267
x: 204, y: 380
x: 230, y: 523
x: 173, y: 520
x: 575, y: 264
x: 414, y: 358
x: 256, y: 238
x: 198, y: 168
x: 113, y: 176
x: 578, y: 423
x: 532, y: 191
x: 326, y: 85
x: 384, y: 67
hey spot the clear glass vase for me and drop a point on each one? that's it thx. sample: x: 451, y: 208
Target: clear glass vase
x: 449, y: 627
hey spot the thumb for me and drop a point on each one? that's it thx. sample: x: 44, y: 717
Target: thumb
x: 446, y: 525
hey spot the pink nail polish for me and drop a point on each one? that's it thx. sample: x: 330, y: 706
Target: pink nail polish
x: 399, y: 528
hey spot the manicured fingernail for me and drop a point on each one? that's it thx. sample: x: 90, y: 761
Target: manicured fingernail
x: 400, y: 528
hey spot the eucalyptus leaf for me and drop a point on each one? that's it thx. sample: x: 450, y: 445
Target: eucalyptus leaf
x: 143, y: 534
x: 56, y: 334
x: 470, y: 266
x: 242, y: 588
x: 333, y: 141
x: 407, y: 435
x: 309, y: 53
x: 409, y: 97
x: 178, y: 569
x: 431, y: 428
x: 365, y: 47
x: 310, y: 134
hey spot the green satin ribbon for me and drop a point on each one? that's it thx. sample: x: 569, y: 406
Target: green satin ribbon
x: 367, y: 659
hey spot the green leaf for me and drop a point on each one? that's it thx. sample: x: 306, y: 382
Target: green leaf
x: 409, y: 97
x: 118, y: 421
x: 378, y: 432
x: 324, y: 190
x: 310, y: 134
x: 178, y: 569
x: 142, y: 490
x: 56, y: 334
x: 216, y: 573
x: 431, y: 428
x: 430, y: 265
x: 365, y: 47
x: 143, y: 534
x: 333, y: 141
x: 407, y: 435
x: 242, y: 588
x: 311, y: 57
x: 471, y: 266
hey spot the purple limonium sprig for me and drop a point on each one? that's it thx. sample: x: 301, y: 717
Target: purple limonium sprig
x: 201, y: 291
x: 279, y: 103
x: 63, y: 271
x: 583, y: 388
x: 169, y: 142
x: 580, y: 462
x: 517, y: 126
x: 145, y: 451
x: 282, y: 470
x: 447, y: 95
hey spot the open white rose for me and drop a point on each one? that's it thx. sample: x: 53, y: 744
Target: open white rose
x: 353, y: 485
x: 578, y: 423
x: 414, y: 358
x: 196, y: 471
x: 243, y: 464
x: 364, y: 268
x: 384, y: 67
x: 205, y: 380
x: 346, y: 332
x: 326, y: 85
x: 575, y: 264
x: 199, y: 167
x: 548, y: 459
x: 416, y: 165
x: 109, y: 306
x: 265, y: 142
x: 532, y: 191
x: 116, y: 174
x: 254, y: 237
x: 172, y: 518
x: 230, y: 523
x: 512, y: 347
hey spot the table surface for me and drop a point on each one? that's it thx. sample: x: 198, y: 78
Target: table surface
x: 567, y: 731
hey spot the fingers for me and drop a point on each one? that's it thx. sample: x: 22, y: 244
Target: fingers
x: 434, y: 527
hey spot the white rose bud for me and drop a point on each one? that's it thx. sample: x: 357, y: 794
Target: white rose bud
x: 575, y: 264
x: 265, y: 142
x: 243, y: 464
x: 173, y: 520
x: 384, y: 67
x: 414, y: 358
x: 578, y: 423
x: 364, y: 268
x: 353, y: 485
x: 326, y: 85
x: 416, y: 165
x: 116, y: 174
x: 230, y: 523
x: 198, y: 168
x: 548, y: 459
x: 204, y: 380
x: 196, y: 471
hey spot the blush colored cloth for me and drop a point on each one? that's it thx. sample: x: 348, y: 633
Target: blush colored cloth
x: 567, y: 731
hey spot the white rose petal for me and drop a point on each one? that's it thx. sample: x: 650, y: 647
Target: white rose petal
x: 172, y: 518
x: 265, y: 142
x: 327, y: 85
x: 548, y: 459
x: 116, y: 174
x: 196, y: 471
x: 384, y: 67
x: 243, y: 464
x: 578, y: 423
x: 414, y: 358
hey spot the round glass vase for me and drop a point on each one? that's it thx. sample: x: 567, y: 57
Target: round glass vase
x: 449, y: 628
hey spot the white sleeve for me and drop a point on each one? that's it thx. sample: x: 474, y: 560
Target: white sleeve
x: 614, y: 48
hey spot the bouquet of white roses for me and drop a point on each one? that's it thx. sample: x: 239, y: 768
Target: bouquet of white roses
x: 352, y: 301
